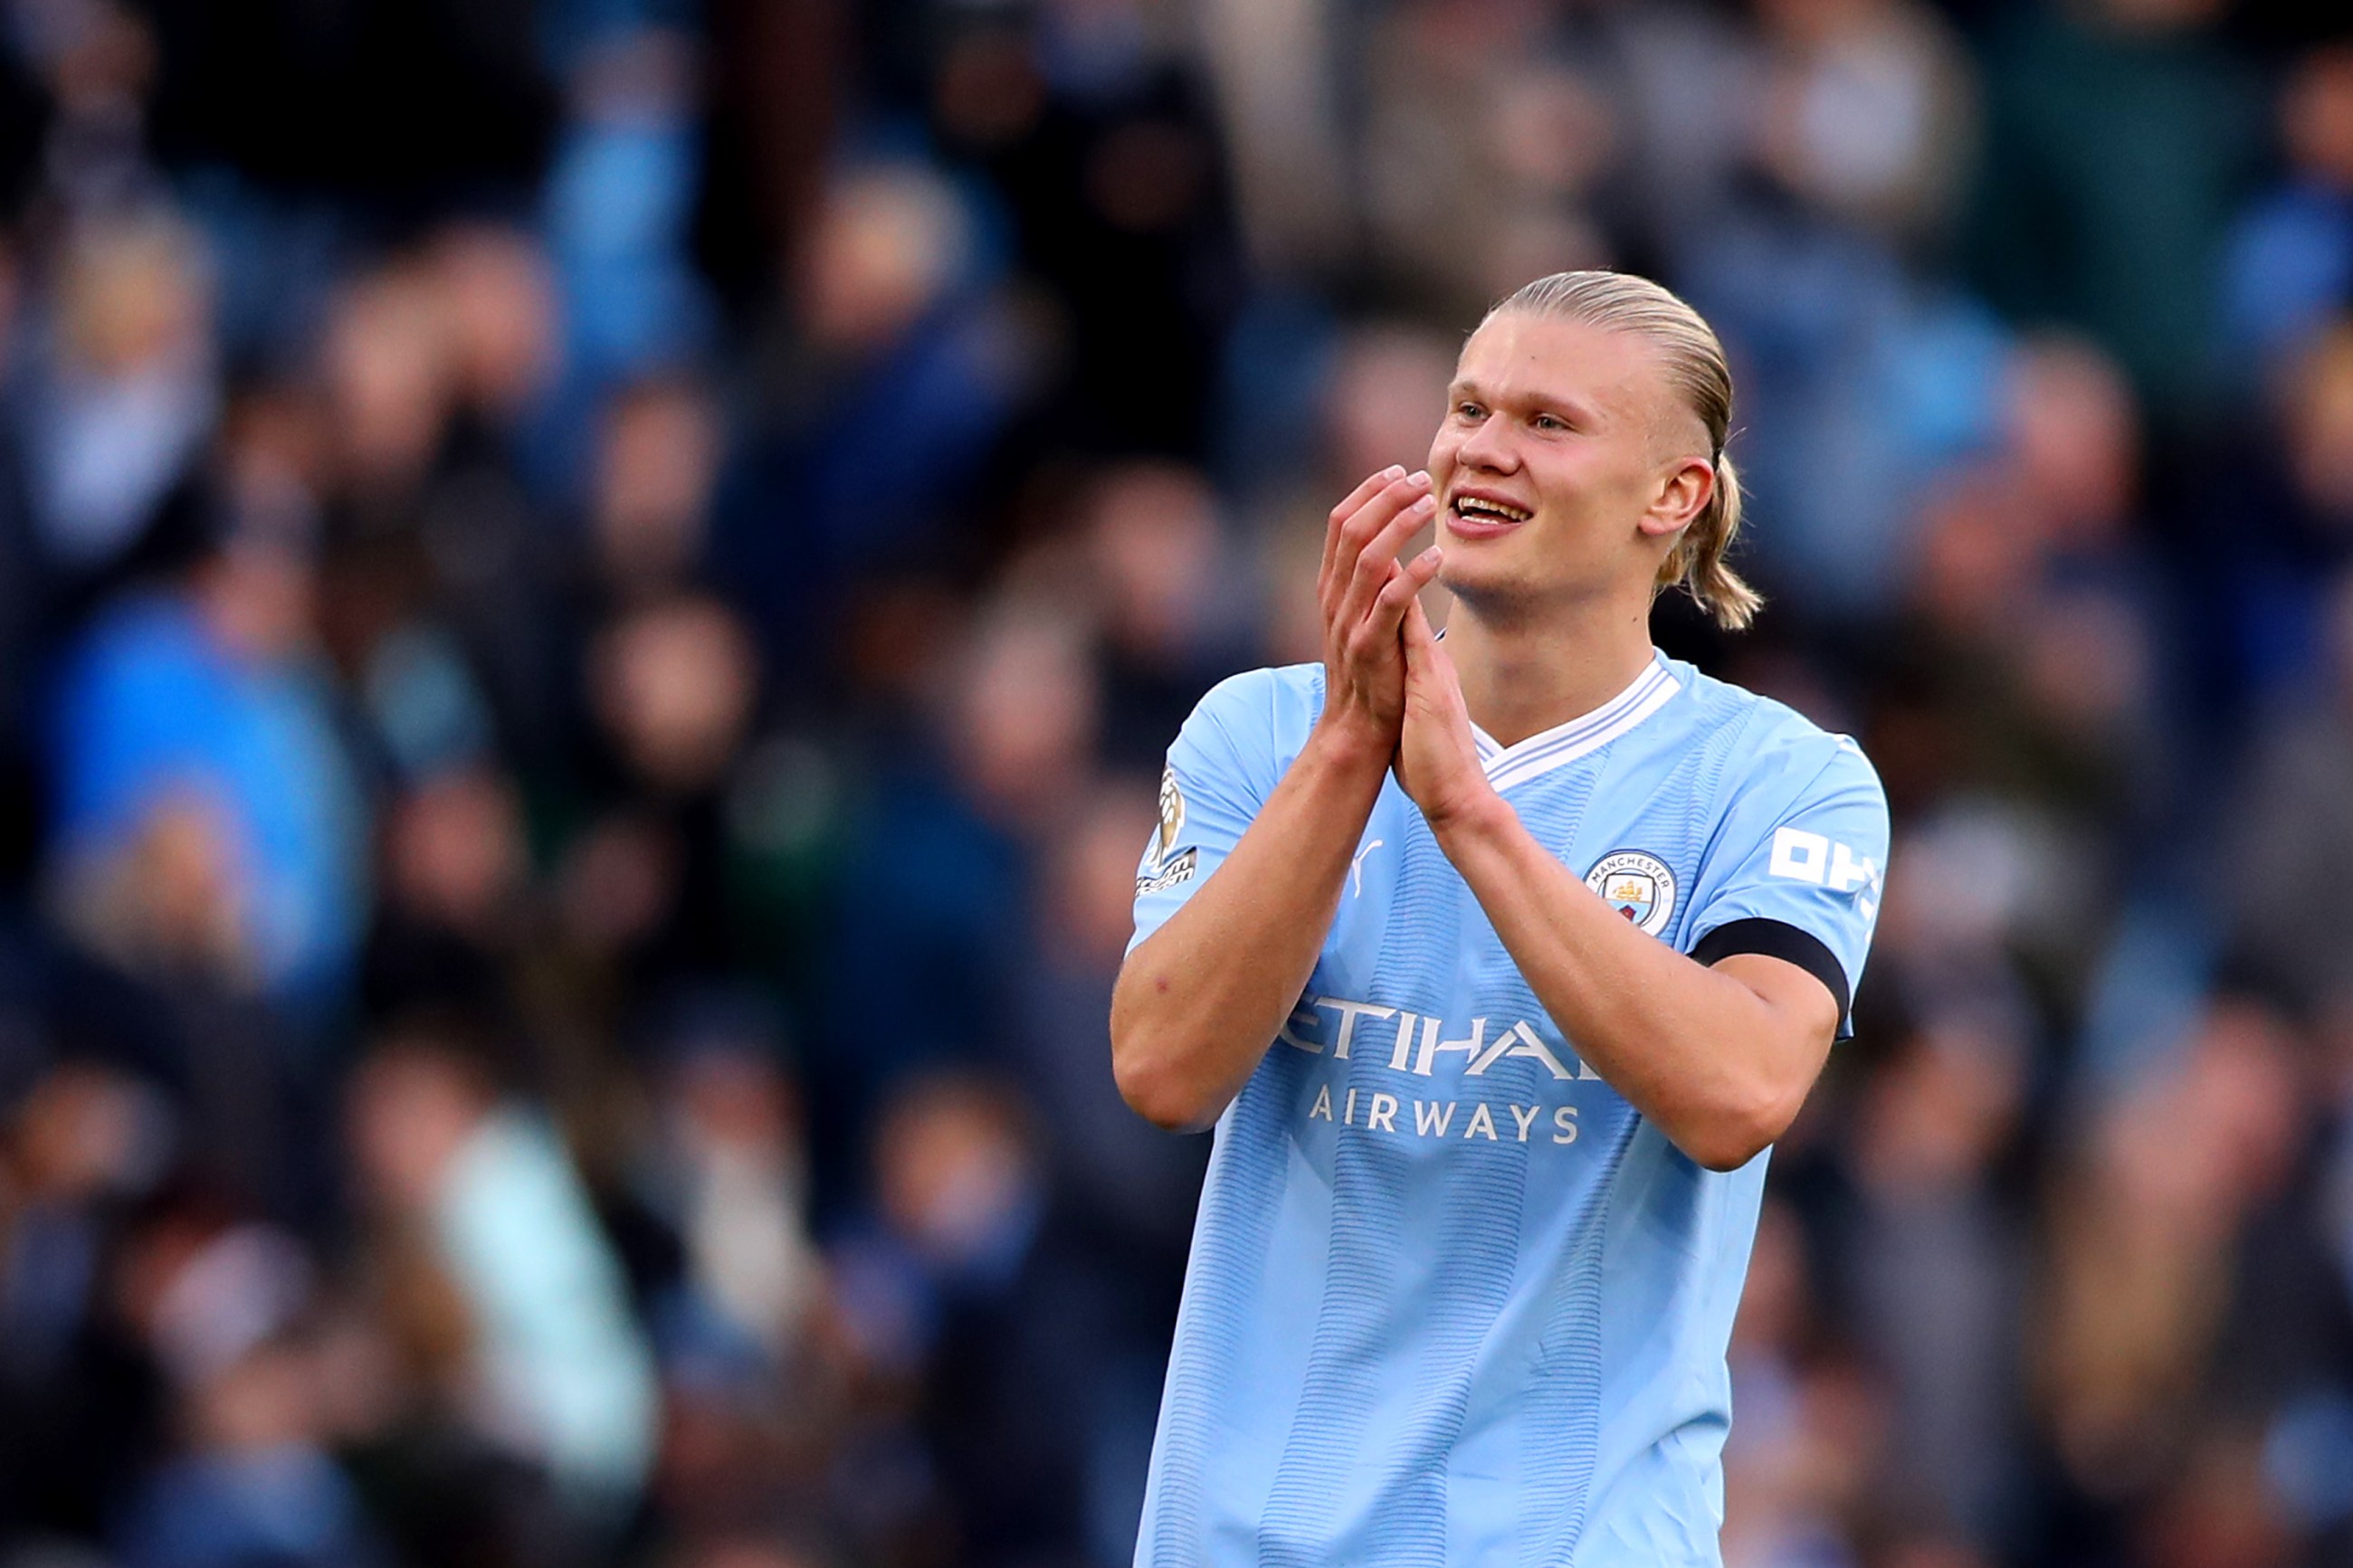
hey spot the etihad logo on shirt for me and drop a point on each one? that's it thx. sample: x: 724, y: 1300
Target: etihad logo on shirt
x: 1416, y: 1043
x: 1376, y: 1111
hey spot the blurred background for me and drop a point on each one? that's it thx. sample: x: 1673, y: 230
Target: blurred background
x: 591, y: 596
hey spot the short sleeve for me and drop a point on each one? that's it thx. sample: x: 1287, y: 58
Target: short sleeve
x: 1222, y: 767
x: 1804, y: 871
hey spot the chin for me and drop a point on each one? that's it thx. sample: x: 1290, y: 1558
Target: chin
x: 1480, y: 585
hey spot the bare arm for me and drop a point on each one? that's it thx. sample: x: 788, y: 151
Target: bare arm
x: 1719, y: 1057
x: 1198, y: 1002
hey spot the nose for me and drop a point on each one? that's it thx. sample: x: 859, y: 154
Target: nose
x: 1487, y: 445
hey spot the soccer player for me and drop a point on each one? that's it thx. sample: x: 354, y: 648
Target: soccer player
x: 1497, y: 962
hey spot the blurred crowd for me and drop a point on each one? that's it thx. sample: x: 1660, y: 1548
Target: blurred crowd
x: 591, y: 596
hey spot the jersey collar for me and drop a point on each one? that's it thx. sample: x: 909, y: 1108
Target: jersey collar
x: 1563, y: 743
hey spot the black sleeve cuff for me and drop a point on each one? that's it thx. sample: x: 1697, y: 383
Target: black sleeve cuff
x: 1779, y: 939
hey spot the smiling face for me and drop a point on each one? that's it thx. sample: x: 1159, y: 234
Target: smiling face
x: 1566, y: 466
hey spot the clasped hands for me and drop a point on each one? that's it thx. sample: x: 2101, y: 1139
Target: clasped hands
x: 1390, y: 686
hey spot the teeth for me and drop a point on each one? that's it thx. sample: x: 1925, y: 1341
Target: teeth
x: 1475, y: 505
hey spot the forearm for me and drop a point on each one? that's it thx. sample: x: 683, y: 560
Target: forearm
x: 1199, y: 1001
x: 1720, y: 1068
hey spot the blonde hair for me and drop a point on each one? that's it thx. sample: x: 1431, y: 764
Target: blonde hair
x: 1694, y: 363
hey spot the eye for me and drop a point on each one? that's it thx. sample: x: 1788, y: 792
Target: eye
x: 1550, y: 422
x: 1469, y: 410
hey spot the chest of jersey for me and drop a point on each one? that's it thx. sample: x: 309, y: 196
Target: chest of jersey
x: 1417, y: 1026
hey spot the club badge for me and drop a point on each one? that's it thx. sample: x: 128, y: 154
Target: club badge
x: 1637, y: 886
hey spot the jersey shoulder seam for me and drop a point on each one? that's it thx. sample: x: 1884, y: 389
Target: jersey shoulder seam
x: 1750, y: 710
x: 1263, y: 707
x: 1795, y: 729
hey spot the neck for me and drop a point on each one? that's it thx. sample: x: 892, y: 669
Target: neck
x: 1523, y: 675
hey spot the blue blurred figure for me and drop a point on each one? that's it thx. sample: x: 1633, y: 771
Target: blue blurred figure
x: 205, y: 692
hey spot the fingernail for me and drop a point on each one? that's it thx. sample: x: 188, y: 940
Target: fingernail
x: 1393, y: 471
x: 1426, y: 504
x: 1422, y: 476
x: 1430, y: 557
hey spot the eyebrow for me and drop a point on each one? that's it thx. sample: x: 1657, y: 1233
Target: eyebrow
x: 1578, y: 409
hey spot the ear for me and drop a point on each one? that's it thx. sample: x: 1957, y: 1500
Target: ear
x: 1685, y: 488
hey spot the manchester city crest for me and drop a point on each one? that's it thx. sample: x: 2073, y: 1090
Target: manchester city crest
x: 1637, y: 886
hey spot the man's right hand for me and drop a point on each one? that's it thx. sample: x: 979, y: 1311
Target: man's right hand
x: 1199, y: 1000
x: 1363, y: 591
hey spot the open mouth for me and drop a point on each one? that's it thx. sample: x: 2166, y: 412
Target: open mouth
x: 1482, y: 508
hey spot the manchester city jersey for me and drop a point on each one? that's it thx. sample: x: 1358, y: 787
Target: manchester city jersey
x: 1451, y: 1300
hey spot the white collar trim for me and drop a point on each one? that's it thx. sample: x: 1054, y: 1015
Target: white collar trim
x: 1563, y: 743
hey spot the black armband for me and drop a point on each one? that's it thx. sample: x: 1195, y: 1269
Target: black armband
x: 1779, y: 939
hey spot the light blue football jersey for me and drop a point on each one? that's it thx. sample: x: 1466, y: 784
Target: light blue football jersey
x: 1451, y: 1300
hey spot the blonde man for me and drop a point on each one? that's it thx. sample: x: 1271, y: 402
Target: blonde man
x: 1498, y: 963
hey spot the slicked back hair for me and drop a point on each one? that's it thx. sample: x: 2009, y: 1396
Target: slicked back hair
x: 1695, y: 367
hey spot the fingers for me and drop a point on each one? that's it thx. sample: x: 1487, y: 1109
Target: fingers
x: 1426, y: 656
x: 1398, y: 600
x: 1374, y: 560
x: 1373, y: 486
x: 1356, y: 534
x: 1418, y: 638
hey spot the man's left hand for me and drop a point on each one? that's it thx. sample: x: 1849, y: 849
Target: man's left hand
x: 1438, y: 753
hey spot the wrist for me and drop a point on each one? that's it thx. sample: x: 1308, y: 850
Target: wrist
x: 1474, y: 814
x: 1352, y: 743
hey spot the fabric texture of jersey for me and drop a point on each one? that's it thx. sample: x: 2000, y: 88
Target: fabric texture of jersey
x: 1450, y: 1300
